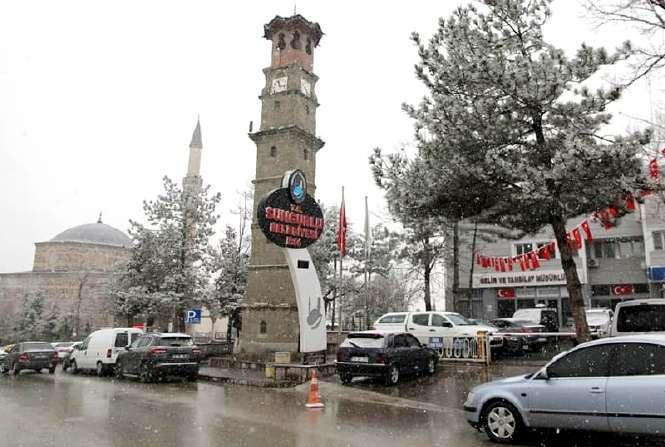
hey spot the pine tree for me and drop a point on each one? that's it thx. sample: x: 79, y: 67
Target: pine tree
x: 30, y: 324
x: 510, y: 134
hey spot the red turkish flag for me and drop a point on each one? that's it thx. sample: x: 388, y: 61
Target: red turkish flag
x: 654, y: 169
x: 544, y: 252
x: 534, y: 260
x: 341, y: 230
x: 630, y: 202
x: 497, y: 265
x: 623, y: 289
x: 587, y: 231
x: 522, y: 262
x: 505, y: 293
x: 577, y: 237
x: 510, y: 264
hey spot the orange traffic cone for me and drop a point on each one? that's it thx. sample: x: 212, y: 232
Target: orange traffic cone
x: 313, y: 399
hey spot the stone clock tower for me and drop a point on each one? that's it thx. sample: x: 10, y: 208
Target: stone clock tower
x: 285, y: 141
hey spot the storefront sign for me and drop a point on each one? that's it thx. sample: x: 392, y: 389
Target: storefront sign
x: 289, y: 217
x: 521, y: 279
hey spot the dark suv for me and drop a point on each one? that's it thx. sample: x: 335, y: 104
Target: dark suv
x: 156, y: 356
x: 35, y: 355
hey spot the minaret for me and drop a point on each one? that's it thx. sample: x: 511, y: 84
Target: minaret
x: 193, y: 182
x: 286, y: 141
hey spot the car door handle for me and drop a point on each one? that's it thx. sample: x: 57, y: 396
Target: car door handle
x: 411, y: 329
x: 596, y: 390
x: 432, y: 330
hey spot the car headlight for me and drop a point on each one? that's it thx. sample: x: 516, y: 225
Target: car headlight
x: 470, y: 396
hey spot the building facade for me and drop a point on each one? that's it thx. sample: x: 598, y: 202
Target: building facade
x: 285, y: 141
x: 620, y: 263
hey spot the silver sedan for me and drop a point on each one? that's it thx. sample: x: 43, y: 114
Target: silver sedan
x: 610, y: 385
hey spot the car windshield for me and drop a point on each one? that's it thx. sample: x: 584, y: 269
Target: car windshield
x: 175, y: 341
x: 458, y: 320
x: 363, y: 342
x: 641, y: 318
x: 63, y: 345
x: 37, y: 346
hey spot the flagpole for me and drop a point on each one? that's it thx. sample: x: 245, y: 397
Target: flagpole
x: 340, y: 291
x: 366, y: 262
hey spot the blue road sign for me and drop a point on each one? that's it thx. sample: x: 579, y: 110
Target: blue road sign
x: 193, y: 316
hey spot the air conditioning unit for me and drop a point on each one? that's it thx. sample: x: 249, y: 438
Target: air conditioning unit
x: 592, y: 263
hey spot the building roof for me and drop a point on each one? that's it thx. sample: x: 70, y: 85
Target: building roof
x: 196, y: 136
x: 94, y: 233
x: 296, y: 20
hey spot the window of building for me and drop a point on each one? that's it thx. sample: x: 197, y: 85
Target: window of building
x: 305, y: 154
x: 523, y: 248
x: 263, y: 327
x: 306, y: 109
x: 641, y: 288
x: 620, y: 248
x: 658, y: 240
x: 278, y: 105
x: 273, y: 151
x: 600, y: 290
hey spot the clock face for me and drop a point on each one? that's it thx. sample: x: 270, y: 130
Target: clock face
x: 305, y: 87
x: 278, y: 85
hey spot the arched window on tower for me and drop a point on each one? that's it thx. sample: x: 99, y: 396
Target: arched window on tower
x: 295, y: 42
x: 273, y: 151
x: 263, y: 327
x: 305, y: 154
x: 281, y: 41
x: 308, y: 46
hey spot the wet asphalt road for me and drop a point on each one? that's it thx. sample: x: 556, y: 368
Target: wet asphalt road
x: 67, y: 410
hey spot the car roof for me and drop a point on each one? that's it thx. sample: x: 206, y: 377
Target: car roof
x: 170, y: 334
x: 644, y: 301
x: 641, y: 338
x: 375, y: 332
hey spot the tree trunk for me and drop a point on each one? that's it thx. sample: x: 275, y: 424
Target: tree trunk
x: 455, y: 262
x: 572, y: 280
x: 428, y: 298
x: 469, y: 290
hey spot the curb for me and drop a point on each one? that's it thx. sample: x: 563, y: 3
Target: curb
x: 246, y: 382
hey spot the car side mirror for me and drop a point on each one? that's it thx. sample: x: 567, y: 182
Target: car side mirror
x: 127, y: 348
x: 446, y: 324
x: 542, y: 375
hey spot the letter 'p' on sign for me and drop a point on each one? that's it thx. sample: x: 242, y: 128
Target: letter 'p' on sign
x: 193, y: 316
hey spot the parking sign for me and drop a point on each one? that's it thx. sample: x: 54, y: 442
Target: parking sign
x: 193, y: 316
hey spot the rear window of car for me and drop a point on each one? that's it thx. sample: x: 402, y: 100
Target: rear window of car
x: 63, y: 345
x: 175, y: 341
x: 641, y: 318
x: 37, y: 346
x: 363, y: 342
x: 393, y: 318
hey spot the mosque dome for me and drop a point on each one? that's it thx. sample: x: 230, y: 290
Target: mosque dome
x: 94, y: 233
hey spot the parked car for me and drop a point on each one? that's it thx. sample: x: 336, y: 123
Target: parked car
x: 3, y: 354
x: 523, y: 335
x: 610, y: 384
x: 65, y: 359
x: 154, y: 356
x: 599, y: 321
x: 100, y: 350
x: 63, y: 348
x: 387, y: 355
x: 33, y: 355
x: 426, y: 326
x: 638, y: 317
x: 539, y: 315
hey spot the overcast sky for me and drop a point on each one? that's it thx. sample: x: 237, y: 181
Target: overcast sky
x: 98, y: 101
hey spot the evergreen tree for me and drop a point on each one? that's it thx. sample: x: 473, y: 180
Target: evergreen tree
x: 509, y: 133
x: 30, y: 324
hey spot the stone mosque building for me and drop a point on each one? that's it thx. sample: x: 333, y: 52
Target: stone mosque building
x: 74, y: 269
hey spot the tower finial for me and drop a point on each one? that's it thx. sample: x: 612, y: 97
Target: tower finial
x: 196, y: 136
x: 99, y: 219
x: 294, y: 9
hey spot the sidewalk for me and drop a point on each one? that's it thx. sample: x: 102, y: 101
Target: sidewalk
x: 250, y: 377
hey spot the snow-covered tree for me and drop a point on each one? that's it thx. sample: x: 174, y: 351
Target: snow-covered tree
x: 172, y: 260
x: 510, y: 133
x: 232, y: 263
x: 30, y: 324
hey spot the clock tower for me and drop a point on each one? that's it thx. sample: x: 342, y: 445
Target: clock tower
x: 285, y: 141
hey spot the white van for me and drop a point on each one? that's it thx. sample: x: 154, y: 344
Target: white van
x: 638, y: 317
x: 100, y: 350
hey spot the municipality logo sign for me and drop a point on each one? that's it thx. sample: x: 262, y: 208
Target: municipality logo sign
x: 297, y: 186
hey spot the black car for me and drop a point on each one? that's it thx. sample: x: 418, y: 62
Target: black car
x: 33, y: 355
x: 156, y: 356
x: 521, y: 335
x: 384, y: 355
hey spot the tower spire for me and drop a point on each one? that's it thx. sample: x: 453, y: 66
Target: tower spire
x: 196, y: 136
x: 192, y: 181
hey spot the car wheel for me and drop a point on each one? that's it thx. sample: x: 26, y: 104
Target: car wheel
x: 100, y: 370
x: 345, y: 377
x: 118, y: 371
x: 502, y: 422
x: 15, y: 370
x: 51, y: 370
x: 430, y: 369
x: 392, y: 376
x: 73, y: 368
x: 145, y: 374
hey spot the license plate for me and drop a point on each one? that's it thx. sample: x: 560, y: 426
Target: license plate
x: 542, y: 339
x: 180, y: 356
x: 525, y: 347
x: 360, y: 359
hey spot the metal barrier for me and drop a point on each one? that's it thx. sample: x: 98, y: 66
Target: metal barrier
x: 464, y: 349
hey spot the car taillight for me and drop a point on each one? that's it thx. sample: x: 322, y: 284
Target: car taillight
x: 109, y: 353
x: 339, y: 356
x: 381, y: 358
x: 55, y: 356
x: 23, y: 357
x: 157, y: 350
x: 196, y: 351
